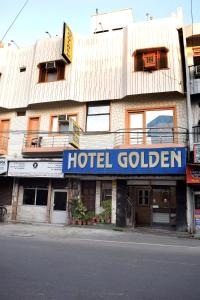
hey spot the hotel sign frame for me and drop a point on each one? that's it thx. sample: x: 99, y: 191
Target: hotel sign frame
x: 145, y: 161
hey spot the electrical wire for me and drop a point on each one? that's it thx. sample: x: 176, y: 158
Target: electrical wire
x: 14, y: 20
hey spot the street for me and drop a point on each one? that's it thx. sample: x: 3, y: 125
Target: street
x: 60, y: 263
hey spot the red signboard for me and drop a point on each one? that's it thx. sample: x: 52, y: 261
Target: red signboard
x: 193, y: 174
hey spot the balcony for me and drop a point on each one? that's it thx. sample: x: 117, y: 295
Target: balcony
x: 196, y: 134
x: 122, y: 138
x: 194, y: 79
x: 151, y: 137
x: 46, y: 144
x: 3, y: 145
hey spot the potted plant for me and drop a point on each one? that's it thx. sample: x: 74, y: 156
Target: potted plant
x: 107, y: 204
x: 80, y: 212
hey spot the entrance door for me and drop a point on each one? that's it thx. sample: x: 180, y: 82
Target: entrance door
x: 161, y: 206
x: 88, y: 194
x: 4, y: 128
x: 59, y: 210
x: 33, y: 128
x: 143, y: 206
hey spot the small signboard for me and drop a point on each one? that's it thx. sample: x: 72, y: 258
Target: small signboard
x: 197, y: 153
x: 3, y: 165
x: 193, y: 174
x: 52, y: 169
x: 197, y: 218
x: 75, y: 136
x: 67, y: 46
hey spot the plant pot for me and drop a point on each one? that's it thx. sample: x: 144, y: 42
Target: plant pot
x: 80, y: 222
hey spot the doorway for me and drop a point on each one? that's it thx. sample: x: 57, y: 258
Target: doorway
x: 151, y: 205
x: 59, y: 209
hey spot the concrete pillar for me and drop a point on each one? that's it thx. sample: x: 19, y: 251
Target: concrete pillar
x: 121, y: 203
x: 49, y: 201
x: 190, y: 210
x: 114, y: 202
x: 15, y: 194
x: 98, y: 209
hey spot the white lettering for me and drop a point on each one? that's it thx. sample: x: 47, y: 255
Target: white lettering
x: 165, y: 159
x: 108, y: 164
x: 92, y: 155
x: 156, y: 156
x: 143, y: 164
x: 100, y: 160
x: 82, y: 160
x: 176, y: 157
x: 72, y: 158
x: 137, y: 159
x: 122, y: 160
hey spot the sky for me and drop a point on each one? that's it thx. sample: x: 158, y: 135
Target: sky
x: 40, y: 16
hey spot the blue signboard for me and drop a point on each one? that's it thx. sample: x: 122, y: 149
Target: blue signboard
x: 125, y: 161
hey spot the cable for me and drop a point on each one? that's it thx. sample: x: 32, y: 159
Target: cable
x: 14, y: 20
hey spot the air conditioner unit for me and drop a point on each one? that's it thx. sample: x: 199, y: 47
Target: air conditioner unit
x: 197, y: 71
x: 50, y: 65
x: 62, y: 118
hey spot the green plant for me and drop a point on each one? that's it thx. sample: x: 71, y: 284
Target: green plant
x: 89, y: 215
x: 80, y: 211
x: 106, y: 214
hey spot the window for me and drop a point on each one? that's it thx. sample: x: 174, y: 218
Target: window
x: 4, y: 133
x: 22, y: 69
x: 151, y: 127
x: 106, y: 190
x: 21, y: 113
x: 150, y: 59
x: 35, y: 196
x: 143, y: 197
x: 52, y: 71
x: 98, y: 117
x: 61, y: 126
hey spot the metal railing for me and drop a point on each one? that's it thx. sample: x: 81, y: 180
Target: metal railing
x: 151, y: 136
x: 46, y: 140
x: 195, y: 79
x: 196, y: 134
x: 109, y: 140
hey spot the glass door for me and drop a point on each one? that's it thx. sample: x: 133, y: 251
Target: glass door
x: 59, y: 209
x: 136, y: 121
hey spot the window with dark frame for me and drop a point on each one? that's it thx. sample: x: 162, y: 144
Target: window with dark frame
x: 98, y: 117
x: 150, y: 59
x: 143, y: 197
x: 22, y: 69
x: 35, y: 196
x: 61, y: 126
x: 106, y: 190
x: 52, y: 71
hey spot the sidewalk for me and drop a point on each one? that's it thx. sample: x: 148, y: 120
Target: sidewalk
x: 102, y: 231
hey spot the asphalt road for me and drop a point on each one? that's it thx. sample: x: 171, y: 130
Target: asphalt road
x: 87, y: 267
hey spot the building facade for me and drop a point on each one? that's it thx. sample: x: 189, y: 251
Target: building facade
x: 192, y: 34
x: 125, y: 88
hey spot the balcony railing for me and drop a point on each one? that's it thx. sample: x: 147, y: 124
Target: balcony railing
x: 107, y: 140
x: 46, y: 142
x: 195, y: 79
x: 196, y: 134
x: 151, y: 136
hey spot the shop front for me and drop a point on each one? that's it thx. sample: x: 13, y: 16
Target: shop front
x: 40, y: 192
x: 193, y: 182
x: 147, y: 185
